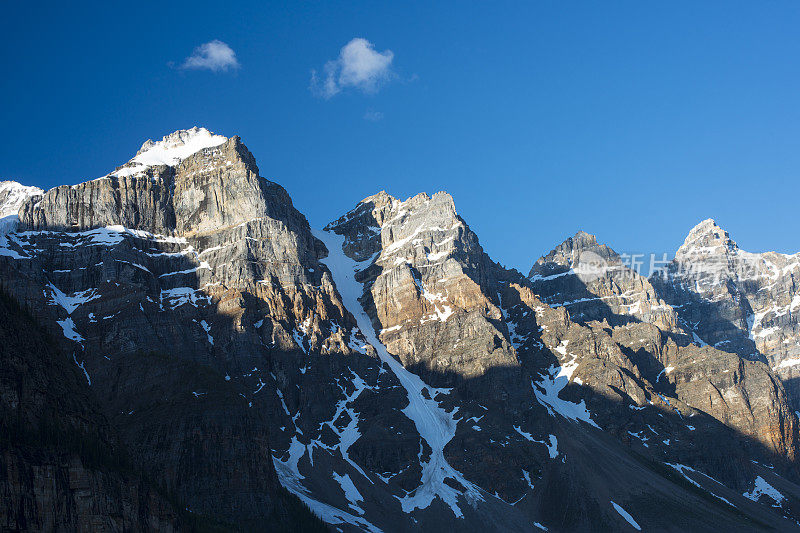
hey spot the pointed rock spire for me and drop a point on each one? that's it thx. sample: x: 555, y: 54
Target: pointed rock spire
x: 706, y: 238
x: 568, y: 253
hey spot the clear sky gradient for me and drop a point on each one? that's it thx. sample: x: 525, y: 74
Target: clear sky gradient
x: 630, y: 120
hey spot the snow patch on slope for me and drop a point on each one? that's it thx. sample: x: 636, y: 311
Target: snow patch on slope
x: 349, y: 434
x: 551, y: 384
x: 435, y: 425
x: 68, y: 327
x: 13, y: 195
x: 70, y: 302
x: 682, y: 469
x: 626, y: 515
x: 350, y: 492
x: 290, y: 477
x: 762, y: 488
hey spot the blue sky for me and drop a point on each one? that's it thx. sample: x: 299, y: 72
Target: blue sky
x: 630, y: 120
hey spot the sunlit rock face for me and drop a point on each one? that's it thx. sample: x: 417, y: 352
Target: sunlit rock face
x: 430, y: 294
x: 592, y: 282
x: 622, y: 363
x: 385, y: 371
x: 189, y: 183
x: 428, y: 281
x: 738, y: 302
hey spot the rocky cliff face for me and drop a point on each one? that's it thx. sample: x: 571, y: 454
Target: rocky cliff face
x: 63, y: 467
x: 386, y: 371
x: 178, y: 332
x: 428, y: 292
x: 591, y: 281
x: 427, y: 269
x: 736, y: 301
x: 178, y: 191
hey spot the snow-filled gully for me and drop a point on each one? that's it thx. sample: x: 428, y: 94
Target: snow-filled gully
x: 435, y: 425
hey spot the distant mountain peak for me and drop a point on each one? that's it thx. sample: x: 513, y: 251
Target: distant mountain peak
x: 707, y: 237
x: 707, y: 226
x: 569, y: 252
x: 581, y: 240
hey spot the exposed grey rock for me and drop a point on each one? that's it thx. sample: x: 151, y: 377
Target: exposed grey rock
x: 190, y: 328
x: 210, y: 190
x: 430, y: 292
x: 591, y: 280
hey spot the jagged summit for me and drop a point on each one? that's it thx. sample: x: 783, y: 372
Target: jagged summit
x: 170, y: 150
x: 380, y: 196
x: 707, y: 225
x: 738, y: 301
x: 568, y: 253
x: 580, y: 241
x: 706, y: 237
x: 191, y: 181
x: 182, y: 138
x: 380, y: 205
x: 383, y: 197
x: 593, y: 281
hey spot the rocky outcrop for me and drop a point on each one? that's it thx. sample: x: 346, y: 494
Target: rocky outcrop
x: 444, y: 309
x: 593, y: 282
x: 206, y: 191
x: 428, y: 271
x: 430, y: 294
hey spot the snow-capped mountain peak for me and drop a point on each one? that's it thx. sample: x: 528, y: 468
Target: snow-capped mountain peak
x: 13, y: 195
x: 170, y: 150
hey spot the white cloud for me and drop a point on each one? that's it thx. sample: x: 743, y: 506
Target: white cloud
x: 215, y: 56
x: 373, y: 116
x: 358, y: 66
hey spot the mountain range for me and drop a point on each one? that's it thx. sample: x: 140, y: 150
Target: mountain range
x: 182, y: 351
